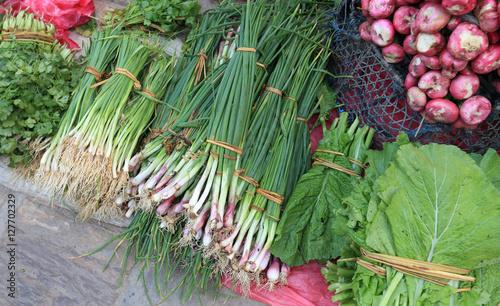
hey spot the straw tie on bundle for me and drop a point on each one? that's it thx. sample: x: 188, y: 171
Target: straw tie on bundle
x: 94, y: 71
x: 429, y: 271
x: 200, y: 66
x: 125, y: 72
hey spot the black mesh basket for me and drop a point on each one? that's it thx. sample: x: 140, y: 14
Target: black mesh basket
x: 375, y: 91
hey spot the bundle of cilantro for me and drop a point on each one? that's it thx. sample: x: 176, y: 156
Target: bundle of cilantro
x: 35, y: 89
x: 165, y: 16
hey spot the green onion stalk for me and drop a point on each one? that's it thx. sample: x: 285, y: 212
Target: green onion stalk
x: 182, y: 117
x: 160, y: 168
x: 230, y: 121
x: 93, y: 137
x: 189, y: 71
x: 139, y: 111
x: 101, y: 52
x: 283, y: 169
x: 262, y: 134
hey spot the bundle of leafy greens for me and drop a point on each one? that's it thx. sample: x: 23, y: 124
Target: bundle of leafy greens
x: 36, y: 81
x: 165, y: 16
x: 309, y: 227
x: 432, y: 203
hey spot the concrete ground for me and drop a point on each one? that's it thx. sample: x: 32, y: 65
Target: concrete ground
x: 40, y: 237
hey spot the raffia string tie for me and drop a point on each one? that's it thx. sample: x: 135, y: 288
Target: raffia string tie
x: 125, y: 72
x: 432, y: 272
x: 272, y: 196
x: 274, y: 90
x: 94, y: 71
x: 226, y: 145
x: 250, y: 193
x: 149, y: 93
x: 202, y: 153
x: 230, y: 157
x: 301, y: 119
x: 200, y: 66
x: 261, y: 65
x: 214, y: 154
x: 352, y: 160
x: 290, y: 98
x: 246, y: 49
x: 249, y: 180
x: 257, y: 208
x: 323, y: 162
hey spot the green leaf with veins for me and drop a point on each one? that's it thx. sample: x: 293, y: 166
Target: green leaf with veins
x: 445, y: 210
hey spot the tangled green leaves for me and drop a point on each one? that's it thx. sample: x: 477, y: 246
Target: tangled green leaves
x: 35, y: 90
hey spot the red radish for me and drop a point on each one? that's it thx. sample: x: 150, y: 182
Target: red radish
x: 467, y: 71
x: 430, y: 44
x: 382, y: 32
x: 432, y: 17
x: 453, y: 23
x: 410, y: 81
x: 450, y: 63
x: 464, y: 86
x: 460, y: 124
x: 380, y: 9
x: 467, y: 41
x: 400, y: 3
x: 403, y: 17
x: 442, y: 110
x: 393, y: 53
x: 487, y: 14
x: 434, y: 84
x: 410, y: 45
x: 458, y: 7
x: 414, y: 30
x: 364, y: 7
x: 475, y: 110
x: 431, y: 62
x: 496, y: 85
x: 416, y: 67
x: 449, y: 74
x: 493, y: 37
x: 412, y: 1
x: 365, y: 29
x: 498, y: 72
x: 427, y: 117
x: 487, y: 61
x: 416, y: 99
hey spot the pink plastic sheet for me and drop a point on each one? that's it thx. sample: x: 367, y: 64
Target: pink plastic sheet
x: 63, y: 14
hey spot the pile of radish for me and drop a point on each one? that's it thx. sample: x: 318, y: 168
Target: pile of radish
x: 451, y: 42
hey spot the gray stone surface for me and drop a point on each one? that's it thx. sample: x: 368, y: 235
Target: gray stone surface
x: 48, y: 237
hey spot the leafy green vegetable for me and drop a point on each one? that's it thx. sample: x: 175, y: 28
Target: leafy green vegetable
x: 35, y: 89
x: 433, y: 203
x: 163, y: 15
x: 309, y: 228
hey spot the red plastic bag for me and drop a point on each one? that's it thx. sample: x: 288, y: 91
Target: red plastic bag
x: 306, y: 287
x: 63, y: 14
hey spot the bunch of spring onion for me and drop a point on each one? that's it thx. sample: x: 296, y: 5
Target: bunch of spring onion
x: 248, y: 244
x: 101, y: 52
x: 227, y: 130
x: 28, y: 28
x: 90, y: 145
x: 182, y: 113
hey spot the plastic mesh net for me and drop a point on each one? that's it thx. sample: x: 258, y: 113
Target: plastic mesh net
x: 375, y: 91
